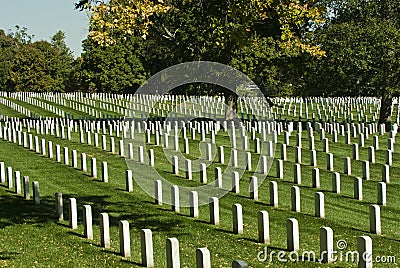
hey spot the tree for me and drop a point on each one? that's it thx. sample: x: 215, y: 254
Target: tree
x: 34, y: 66
x: 8, y: 47
x: 62, y: 61
x: 177, y: 31
x: 228, y: 22
x: 362, y: 41
x: 113, y: 68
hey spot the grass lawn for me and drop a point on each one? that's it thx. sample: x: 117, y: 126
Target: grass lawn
x: 31, y: 236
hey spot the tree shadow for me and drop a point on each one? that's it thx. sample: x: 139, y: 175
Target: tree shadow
x: 16, y: 210
x: 76, y: 234
x: 7, y: 255
x: 251, y: 240
x: 225, y: 231
x: 131, y: 262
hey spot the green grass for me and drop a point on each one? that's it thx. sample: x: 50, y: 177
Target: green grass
x: 30, y: 236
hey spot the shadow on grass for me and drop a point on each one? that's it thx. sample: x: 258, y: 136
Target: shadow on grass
x: 7, y: 255
x: 63, y: 224
x: 278, y: 249
x: 202, y: 221
x: 251, y: 240
x: 15, y: 210
x: 130, y: 262
x: 359, y: 201
x: 118, y: 254
x: 76, y: 234
x: 225, y: 231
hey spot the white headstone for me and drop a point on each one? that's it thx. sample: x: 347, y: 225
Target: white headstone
x: 188, y: 169
x: 104, y: 171
x: 173, y: 259
x: 297, y: 174
x: 329, y: 161
x: 354, y: 147
x: 358, y: 190
x: 263, y: 227
x: 59, y: 206
x: 273, y: 193
x: 124, y: 239
x: 237, y: 220
x: 158, y: 192
x: 87, y: 221
x: 292, y: 232
x: 295, y: 198
x: 235, y: 182
x: 336, y: 182
x: 17, y: 180
x: 214, y: 210
x: 93, y: 167
x: 298, y: 155
x: 315, y: 178
x: 381, y: 193
x: 73, y: 214
x: 175, y: 198
x: 313, y: 158
x: 364, y: 248
x: 347, y: 166
x: 26, y: 188
x: 146, y: 239
x: 365, y: 170
x: 194, y: 204
x: 319, y: 205
x: 104, y: 230
x: 326, y: 244
x: 203, y: 259
x: 36, y: 192
x: 385, y: 173
x: 254, y: 187
x: 279, y: 169
x: 375, y: 219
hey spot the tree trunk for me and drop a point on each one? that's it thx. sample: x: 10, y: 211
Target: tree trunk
x: 231, y: 106
x: 385, y: 112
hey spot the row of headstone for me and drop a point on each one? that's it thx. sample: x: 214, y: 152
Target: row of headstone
x: 13, y: 180
x: 237, y: 220
x: 71, y: 96
x: 203, y: 257
x: 46, y: 149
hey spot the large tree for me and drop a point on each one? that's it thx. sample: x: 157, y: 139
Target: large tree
x: 177, y: 31
x: 114, y: 68
x: 362, y: 42
x: 34, y: 66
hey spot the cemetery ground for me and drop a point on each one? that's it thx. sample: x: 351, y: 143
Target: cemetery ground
x: 31, y: 235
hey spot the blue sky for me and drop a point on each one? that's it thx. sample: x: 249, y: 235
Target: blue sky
x: 44, y: 18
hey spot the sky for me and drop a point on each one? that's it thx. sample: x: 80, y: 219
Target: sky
x: 43, y: 18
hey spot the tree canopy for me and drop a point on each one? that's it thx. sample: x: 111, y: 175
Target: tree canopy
x: 254, y: 36
x: 362, y: 44
x: 34, y: 66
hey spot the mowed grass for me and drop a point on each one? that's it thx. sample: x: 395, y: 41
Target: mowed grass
x: 31, y: 236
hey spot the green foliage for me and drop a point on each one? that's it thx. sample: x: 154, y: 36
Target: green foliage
x: 8, y: 48
x: 34, y: 66
x: 257, y: 37
x: 362, y: 44
x: 114, y: 68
